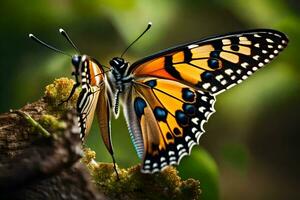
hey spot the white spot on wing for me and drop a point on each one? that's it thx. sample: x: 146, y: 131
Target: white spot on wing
x: 256, y: 57
x: 192, y: 46
x: 206, y: 85
x: 223, y: 82
x: 195, y: 120
x: 244, y: 65
x: 201, y: 109
x: 228, y: 71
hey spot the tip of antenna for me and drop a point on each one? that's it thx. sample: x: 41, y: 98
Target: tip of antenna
x: 61, y: 30
x: 150, y: 23
x: 30, y: 35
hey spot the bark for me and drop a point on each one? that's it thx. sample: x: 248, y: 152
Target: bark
x: 33, y: 166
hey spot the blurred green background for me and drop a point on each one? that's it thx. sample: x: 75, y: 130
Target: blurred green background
x: 251, y: 146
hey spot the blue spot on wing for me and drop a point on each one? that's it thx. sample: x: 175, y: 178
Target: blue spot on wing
x: 151, y: 83
x: 188, y: 95
x: 189, y: 109
x: 181, y: 118
x: 160, y: 114
x: 139, y: 105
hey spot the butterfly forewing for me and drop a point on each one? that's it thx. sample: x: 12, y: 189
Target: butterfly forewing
x: 216, y: 63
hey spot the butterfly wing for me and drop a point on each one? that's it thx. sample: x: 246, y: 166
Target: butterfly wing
x: 214, y: 64
x: 165, y: 119
x: 175, y: 88
x: 93, y: 98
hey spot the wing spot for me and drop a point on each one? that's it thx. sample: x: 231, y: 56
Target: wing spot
x: 228, y: 71
x: 249, y: 73
x: 194, y: 130
x: 271, y: 56
x: 163, y: 164
x: 264, y: 51
x: 270, y: 46
x: 280, y: 46
x: 206, y: 85
x: 260, y: 64
x: 201, y: 109
x: 192, y: 46
x: 171, y: 153
x: 223, y: 82
x: 276, y: 51
x: 213, y: 89
x: 226, y: 41
x: 257, y: 45
x: 269, y: 40
x: 179, y: 146
x: 204, y: 98
x: 172, y: 158
x: 146, y: 167
x: 239, y: 71
x: 256, y: 57
x: 244, y: 77
x: 173, y: 163
x: 182, y: 151
x: 195, y: 120
x: 219, y: 77
x: 187, y: 138
x: 256, y: 35
x: 267, y: 60
x: 245, y: 64
x: 239, y: 81
x: 233, y: 77
x: 254, y: 68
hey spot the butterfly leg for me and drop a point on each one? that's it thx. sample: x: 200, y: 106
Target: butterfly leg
x: 115, y: 168
x: 76, y: 85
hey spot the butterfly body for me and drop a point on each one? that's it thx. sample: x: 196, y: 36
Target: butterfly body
x: 119, y: 80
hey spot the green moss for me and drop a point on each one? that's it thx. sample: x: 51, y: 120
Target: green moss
x: 59, y: 91
x: 135, y: 185
x: 51, y: 123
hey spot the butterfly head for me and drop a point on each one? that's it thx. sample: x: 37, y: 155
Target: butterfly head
x: 76, y: 59
x: 119, y: 65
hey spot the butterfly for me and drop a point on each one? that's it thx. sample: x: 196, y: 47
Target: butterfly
x: 167, y: 97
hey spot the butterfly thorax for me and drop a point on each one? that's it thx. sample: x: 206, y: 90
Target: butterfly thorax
x: 121, y: 78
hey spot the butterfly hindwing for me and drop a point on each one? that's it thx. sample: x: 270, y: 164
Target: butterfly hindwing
x: 214, y: 64
x: 170, y: 118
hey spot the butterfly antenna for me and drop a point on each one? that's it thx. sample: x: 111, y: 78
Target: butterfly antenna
x: 47, y: 45
x: 64, y: 33
x: 148, y: 27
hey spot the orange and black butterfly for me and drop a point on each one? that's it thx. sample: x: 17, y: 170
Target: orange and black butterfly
x: 168, y: 96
